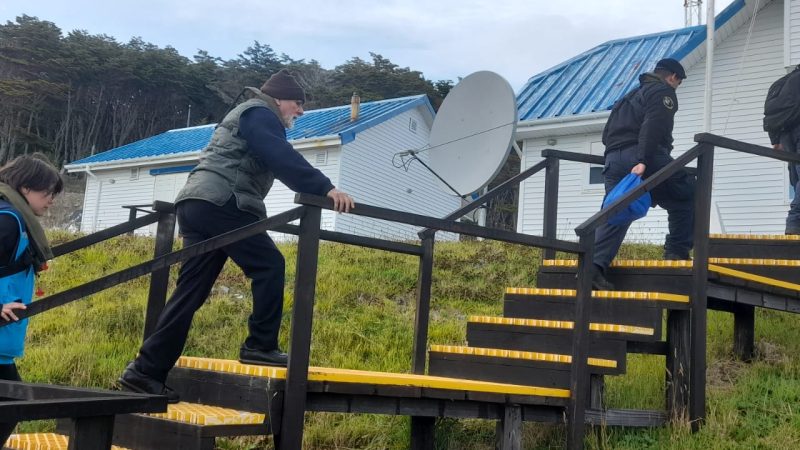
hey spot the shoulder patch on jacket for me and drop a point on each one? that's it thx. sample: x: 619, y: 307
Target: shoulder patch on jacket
x: 668, y: 103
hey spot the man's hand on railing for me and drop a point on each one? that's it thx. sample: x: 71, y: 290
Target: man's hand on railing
x: 638, y: 169
x: 341, y: 201
x: 777, y: 146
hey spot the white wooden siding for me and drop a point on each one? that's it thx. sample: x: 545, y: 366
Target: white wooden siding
x: 368, y: 174
x: 165, y: 188
x: 750, y: 192
x: 281, y: 198
x: 792, y: 35
x: 107, y: 192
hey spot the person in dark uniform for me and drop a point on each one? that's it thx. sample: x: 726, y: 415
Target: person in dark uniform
x: 782, y: 123
x: 638, y: 139
x: 226, y: 191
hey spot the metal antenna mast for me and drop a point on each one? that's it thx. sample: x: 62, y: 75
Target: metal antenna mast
x: 693, y: 12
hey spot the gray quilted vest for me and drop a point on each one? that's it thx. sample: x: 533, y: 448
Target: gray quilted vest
x: 227, y: 168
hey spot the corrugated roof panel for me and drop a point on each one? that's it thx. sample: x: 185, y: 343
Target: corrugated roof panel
x: 595, y: 79
x: 314, y: 123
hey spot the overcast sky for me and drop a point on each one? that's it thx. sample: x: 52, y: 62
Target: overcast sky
x: 444, y: 39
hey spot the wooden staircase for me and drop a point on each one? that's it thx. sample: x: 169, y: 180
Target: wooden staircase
x: 514, y: 368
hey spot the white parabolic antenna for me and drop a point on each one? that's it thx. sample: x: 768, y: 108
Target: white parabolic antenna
x: 473, y: 132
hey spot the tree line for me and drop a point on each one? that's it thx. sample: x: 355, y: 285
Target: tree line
x: 70, y: 96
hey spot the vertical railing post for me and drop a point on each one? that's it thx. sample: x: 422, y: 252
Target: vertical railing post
x: 423, y: 307
x: 550, y: 218
x: 159, y: 280
x: 744, y: 322
x: 677, y: 376
x: 423, y: 428
x: 131, y: 217
x: 579, y: 380
x: 294, y: 401
x: 702, y: 215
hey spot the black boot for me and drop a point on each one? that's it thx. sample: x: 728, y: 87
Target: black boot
x: 273, y: 357
x: 136, y: 381
x: 599, y: 281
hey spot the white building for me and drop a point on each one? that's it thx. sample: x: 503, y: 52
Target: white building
x: 358, y: 156
x: 567, y: 106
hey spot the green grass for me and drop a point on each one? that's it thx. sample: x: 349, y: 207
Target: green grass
x: 363, y: 319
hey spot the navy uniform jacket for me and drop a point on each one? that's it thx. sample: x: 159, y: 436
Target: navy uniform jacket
x: 644, y: 118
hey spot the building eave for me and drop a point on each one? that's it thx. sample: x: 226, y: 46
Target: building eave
x: 561, y: 126
x: 133, y: 162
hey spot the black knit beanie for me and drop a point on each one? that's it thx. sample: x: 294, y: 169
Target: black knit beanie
x: 283, y: 86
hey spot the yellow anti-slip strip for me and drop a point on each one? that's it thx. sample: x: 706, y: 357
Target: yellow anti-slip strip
x: 561, y: 324
x: 621, y: 263
x: 42, y: 441
x: 369, y: 377
x: 753, y: 277
x: 756, y: 262
x: 762, y: 237
x: 516, y: 354
x: 683, y: 264
x: 209, y: 415
x: 624, y: 295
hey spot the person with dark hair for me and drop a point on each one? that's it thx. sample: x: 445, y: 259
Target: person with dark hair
x: 226, y: 191
x: 28, y: 185
x: 638, y: 140
x: 782, y: 123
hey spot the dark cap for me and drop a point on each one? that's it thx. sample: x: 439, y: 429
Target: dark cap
x: 283, y: 86
x: 671, y: 65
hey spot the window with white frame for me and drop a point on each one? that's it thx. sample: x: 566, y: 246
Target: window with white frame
x: 594, y: 176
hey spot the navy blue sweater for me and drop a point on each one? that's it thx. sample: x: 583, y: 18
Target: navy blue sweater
x: 266, y: 139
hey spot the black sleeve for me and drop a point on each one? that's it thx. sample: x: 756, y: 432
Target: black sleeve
x: 659, y: 117
x: 266, y: 139
x: 9, y: 236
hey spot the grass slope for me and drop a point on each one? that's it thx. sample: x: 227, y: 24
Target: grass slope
x: 364, y: 320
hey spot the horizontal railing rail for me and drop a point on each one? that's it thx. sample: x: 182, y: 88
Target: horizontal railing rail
x: 376, y: 212
x: 106, y: 234
x: 489, y: 196
x: 362, y: 241
x: 161, y: 262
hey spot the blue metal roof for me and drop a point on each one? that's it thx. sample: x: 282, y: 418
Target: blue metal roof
x: 594, y: 80
x: 313, y: 124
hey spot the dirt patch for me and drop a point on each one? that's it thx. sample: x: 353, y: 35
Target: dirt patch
x: 722, y: 374
x: 772, y: 354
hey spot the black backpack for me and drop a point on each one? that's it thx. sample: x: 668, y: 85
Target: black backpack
x: 782, y: 105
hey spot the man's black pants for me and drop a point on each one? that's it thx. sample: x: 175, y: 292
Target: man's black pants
x: 676, y: 195
x: 258, y: 257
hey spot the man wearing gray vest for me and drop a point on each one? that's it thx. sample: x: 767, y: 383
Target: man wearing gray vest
x: 226, y: 191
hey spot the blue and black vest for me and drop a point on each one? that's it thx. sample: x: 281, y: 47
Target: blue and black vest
x: 16, y: 285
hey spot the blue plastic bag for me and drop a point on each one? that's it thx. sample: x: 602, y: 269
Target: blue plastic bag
x: 636, y: 210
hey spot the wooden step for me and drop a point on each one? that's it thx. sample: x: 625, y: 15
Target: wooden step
x: 511, y: 366
x: 785, y: 291
x: 232, y: 384
x: 550, y: 336
x: 639, y: 309
x: 186, y: 426
x: 754, y: 246
x: 42, y: 441
x: 672, y: 277
x: 779, y: 269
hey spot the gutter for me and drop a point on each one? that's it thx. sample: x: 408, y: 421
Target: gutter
x: 299, y: 144
x: 330, y: 140
x: 560, y: 126
x: 122, y: 163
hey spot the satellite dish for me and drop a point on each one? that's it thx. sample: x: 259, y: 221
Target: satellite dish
x: 473, y: 132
